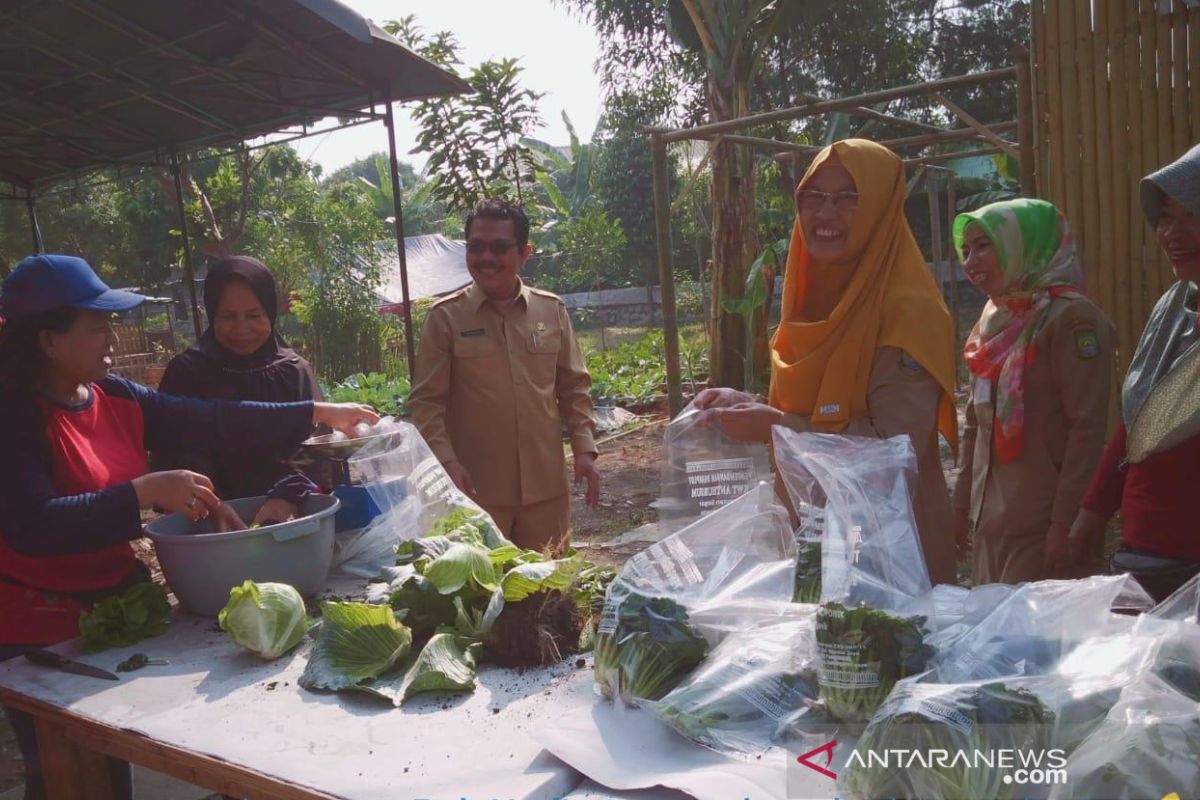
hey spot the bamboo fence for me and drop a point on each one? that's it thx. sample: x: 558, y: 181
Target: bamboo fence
x: 1116, y: 94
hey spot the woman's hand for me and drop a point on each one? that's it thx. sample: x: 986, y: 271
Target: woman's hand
x: 343, y: 416
x: 276, y: 509
x: 177, y: 491
x: 226, y: 519
x: 1056, y: 556
x: 722, y: 397
x: 1085, y: 536
x: 744, y: 422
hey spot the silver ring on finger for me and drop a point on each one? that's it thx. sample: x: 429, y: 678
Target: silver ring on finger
x: 191, y: 503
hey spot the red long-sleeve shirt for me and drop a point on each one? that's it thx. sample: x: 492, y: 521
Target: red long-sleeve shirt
x: 1156, y: 497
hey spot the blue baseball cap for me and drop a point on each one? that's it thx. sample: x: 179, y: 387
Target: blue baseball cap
x: 45, y: 282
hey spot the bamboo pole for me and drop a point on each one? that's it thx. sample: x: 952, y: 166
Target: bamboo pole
x: 1166, y: 147
x: 1101, y: 254
x: 935, y: 240
x: 877, y: 116
x: 1193, y: 60
x: 951, y: 212
x: 1025, y: 122
x: 1071, y: 109
x: 666, y: 276
x: 1179, y: 88
x: 1089, y: 181
x: 945, y: 137
x: 941, y: 158
x: 840, y: 104
x: 1147, y: 23
x: 1119, y: 260
x: 976, y: 125
x: 1143, y: 142
x: 1041, y: 101
x: 1055, y: 109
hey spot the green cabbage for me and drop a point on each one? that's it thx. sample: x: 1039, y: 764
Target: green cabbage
x: 267, y: 619
x: 122, y: 620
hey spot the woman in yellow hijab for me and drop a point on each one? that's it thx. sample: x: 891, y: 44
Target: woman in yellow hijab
x: 865, y: 346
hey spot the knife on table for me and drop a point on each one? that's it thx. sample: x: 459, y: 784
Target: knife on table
x: 48, y: 658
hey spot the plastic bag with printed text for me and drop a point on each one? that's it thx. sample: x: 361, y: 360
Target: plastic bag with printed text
x: 412, y: 491
x: 753, y: 690
x: 671, y: 603
x: 702, y: 470
x: 861, y: 490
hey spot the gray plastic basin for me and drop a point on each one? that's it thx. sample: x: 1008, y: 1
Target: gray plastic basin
x: 202, y: 566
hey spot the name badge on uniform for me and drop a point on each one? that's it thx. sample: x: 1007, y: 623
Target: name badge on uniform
x: 472, y: 333
x: 1087, y: 343
x: 829, y: 408
x: 541, y: 327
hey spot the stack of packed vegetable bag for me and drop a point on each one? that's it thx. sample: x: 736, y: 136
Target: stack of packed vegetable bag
x: 698, y: 630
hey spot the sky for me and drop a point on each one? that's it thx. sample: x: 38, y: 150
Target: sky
x: 557, y: 50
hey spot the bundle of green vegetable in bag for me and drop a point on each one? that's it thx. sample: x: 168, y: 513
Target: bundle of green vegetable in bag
x: 947, y: 741
x: 807, y: 587
x: 862, y: 652
x: 644, y: 646
x: 750, y: 692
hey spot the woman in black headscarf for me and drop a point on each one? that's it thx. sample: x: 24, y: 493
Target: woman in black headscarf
x: 242, y: 357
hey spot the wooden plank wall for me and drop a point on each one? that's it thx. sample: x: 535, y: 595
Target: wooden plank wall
x: 1116, y: 95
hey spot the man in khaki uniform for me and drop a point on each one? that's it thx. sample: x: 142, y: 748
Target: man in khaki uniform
x: 1019, y: 513
x: 498, y: 374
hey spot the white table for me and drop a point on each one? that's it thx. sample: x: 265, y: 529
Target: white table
x: 222, y: 719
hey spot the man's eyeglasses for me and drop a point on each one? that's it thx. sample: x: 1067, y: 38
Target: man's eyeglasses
x: 496, y: 248
x: 815, y: 199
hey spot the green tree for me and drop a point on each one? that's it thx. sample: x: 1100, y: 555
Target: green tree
x: 473, y: 141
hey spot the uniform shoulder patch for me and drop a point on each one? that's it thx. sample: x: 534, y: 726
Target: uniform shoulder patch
x: 544, y: 293
x: 910, y: 364
x: 452, y: 296
x: 1087, y: 342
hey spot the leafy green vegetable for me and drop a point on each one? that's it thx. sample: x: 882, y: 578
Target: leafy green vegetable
x: 740, y: 704
x: 386, y: 394
x: 862, y: 653
x: 644, y: 647
x: 357, y: 641
x: 808, y: 572
x: 1178, y: 663
x: 421, y: 606
x: 526, y: 579
x: 122, y: 620
x: 268, y: 619
x: 445, y: 664
x: 460, y: 565
x: 950, y: 720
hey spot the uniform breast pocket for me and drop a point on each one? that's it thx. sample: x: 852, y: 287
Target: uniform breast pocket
x: 543, y: 350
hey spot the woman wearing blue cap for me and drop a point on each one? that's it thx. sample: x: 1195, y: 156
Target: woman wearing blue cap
x: 1149, y: 468
x: 74, y: 474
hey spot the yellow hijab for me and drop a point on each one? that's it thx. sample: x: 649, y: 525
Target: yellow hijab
x: 879, y: 294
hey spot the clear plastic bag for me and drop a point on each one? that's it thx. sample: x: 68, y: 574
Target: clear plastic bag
x: 870, y: 552
x: 1033, y: 627
x: 412, y: 491
x: 982, y: 739
x: 679, y: 597
x: 1183, y: 604
x: 1148, y: 746
x: 702, y: 470
x: 752, y: 691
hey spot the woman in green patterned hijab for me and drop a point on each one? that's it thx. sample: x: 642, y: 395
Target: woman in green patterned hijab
x: 1040, y: 358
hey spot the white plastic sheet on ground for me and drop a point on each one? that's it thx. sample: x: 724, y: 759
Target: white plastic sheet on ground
x: 702, y: 470
x: 870, y: 553
x: 412, y: 491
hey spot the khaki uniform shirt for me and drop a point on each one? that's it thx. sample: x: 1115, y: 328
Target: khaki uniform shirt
x: 902, y: 398
x: 1011, y: 506
x: 494, y: 389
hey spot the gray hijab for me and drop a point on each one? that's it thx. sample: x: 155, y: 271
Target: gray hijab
x: 1171, y: 336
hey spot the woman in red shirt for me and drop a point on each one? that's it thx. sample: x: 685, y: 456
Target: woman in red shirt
x: 1149, y: 468
x: 74, y: 477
